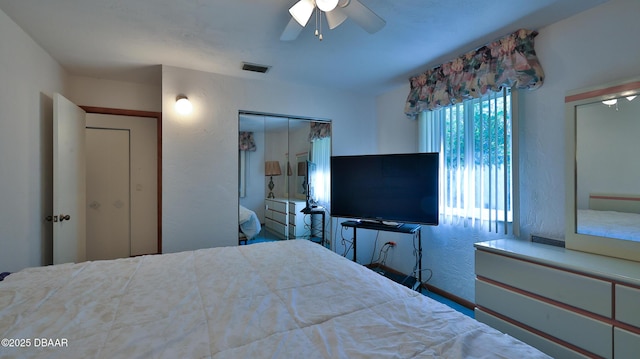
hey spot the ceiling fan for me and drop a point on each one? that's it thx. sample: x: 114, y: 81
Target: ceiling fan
x: 336, y: 12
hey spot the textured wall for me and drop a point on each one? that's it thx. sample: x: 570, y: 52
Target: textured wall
x: 28, y: 79
x: 200, y: 151
x: 88, y: 91
x: 587, y: 49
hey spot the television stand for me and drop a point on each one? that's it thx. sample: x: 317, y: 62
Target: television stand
x: 380, y: 226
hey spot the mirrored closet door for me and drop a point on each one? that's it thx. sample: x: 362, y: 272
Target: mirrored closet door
x: 284, y: 174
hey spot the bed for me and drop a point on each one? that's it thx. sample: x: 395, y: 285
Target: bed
x: 286, y: 299
x: 611, y: 215
x: 249, y: 224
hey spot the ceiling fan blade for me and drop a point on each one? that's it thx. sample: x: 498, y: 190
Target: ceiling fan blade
x: 335, y: 17
x: 292, y: 31
x: 364, y: 17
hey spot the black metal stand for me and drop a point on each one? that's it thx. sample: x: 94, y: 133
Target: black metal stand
x: 311, y: 211
x: 376, y: 226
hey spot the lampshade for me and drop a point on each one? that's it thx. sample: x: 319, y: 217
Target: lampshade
x: 272, y: 168
x: 326, y: 5
x: 289, y: 171
x: 302, y: 11
x: 302, y: 168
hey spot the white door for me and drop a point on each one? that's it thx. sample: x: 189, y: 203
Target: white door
x: 141, y: 177
x: 69, y: 190
x: 108, y: 194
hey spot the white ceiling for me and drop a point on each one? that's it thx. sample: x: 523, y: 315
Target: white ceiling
x: 123, y: 39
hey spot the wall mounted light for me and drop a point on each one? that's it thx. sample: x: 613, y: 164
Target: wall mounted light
x: 183, y: 105
x: 630, y: 98
x: 610, y: 102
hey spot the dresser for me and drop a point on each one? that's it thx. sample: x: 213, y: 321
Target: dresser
x: 566, y: 303
x: 299, y: 223
x: 283, y: 218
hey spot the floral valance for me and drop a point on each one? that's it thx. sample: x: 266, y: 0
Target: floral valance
x: 319, y: 130
x: 246, y: 141
x: 510, y: 61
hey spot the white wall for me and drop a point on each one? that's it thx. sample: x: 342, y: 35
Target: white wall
x: 593, y: 47
x: 28, y: 78
x: 396, y: 132
x: 200, y: 151
x: 88, y: 91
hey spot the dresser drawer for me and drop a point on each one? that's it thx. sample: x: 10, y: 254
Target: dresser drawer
x: 586, y: 293
x: 296, y: 231
x: 277, y: 228
x: 625, y: 344
x: 628, y: 305
x: 545, y: 345
x: 296, y: 206
x: 275, y: 205
x: 278, y: 217
x: 299, y: 219
x: 582, y: 331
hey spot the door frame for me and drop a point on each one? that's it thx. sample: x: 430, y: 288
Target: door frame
x: 150, y: 114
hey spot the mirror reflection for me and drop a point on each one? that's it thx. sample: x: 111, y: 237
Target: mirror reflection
x: 284, y: 173
x: 608, y: 168
x: 301, y: 175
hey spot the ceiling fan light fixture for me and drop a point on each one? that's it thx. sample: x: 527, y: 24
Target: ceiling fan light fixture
x: 302, y: 11
x: 335, y: 12
x: 326, y: 5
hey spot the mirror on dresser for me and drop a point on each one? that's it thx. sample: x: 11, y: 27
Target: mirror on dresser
x: 603, y: 169
x: 274, y: 151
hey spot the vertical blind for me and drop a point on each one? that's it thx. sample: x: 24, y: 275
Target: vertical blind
x: 476, y: 145
x: 321, y: 180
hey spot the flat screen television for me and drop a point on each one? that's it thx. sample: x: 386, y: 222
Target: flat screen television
x: 400, y: 188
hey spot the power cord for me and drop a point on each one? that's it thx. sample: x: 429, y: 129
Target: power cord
x: 344, y: 242
x: 416, y: 273
x: 384, y: 250
x: 375, y: 244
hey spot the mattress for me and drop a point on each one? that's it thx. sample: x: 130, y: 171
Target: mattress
x: 286, y: 299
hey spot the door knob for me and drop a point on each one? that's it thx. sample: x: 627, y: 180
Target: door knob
x: 64, y: 217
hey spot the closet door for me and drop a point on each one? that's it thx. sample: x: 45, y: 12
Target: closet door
x: 284, y: 141
x: 108, y: 194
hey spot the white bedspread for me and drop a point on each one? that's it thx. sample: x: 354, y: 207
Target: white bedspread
x: 289, y: 299
x: 612, y: 224
x: 249, y: 222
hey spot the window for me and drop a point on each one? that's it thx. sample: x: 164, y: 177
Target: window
x: 321, y: 181
x: 476, y: 145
